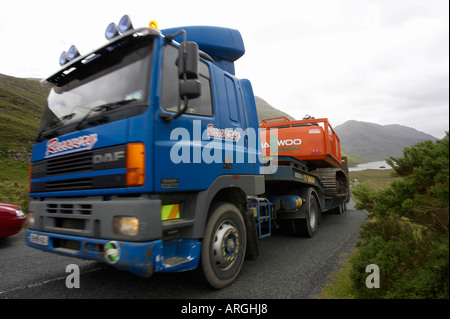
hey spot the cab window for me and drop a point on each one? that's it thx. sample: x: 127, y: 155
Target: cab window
x: 169, y: 95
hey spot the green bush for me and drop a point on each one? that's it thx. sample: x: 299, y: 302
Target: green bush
x: 14, y: 182
x: 14, y: 193
x: 408, y: 227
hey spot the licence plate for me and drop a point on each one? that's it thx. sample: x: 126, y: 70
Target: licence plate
x: 39, y: 239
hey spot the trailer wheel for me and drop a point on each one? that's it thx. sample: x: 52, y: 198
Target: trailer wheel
x: 224, y: 245
x: 304, y: 227
x: 307, y: 227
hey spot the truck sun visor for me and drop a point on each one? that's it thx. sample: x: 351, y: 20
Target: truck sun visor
x: 224, y: 45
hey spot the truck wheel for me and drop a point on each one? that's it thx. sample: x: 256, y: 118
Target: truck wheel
x: 307, y: 227
x: 224, y: 244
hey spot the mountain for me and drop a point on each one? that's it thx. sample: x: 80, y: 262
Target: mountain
x: 265, y: 110
x: 376, y: 142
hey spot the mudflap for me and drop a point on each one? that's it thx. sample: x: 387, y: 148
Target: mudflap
x: 252, y: 251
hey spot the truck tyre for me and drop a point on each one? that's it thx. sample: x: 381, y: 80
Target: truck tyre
x: 307, y: 227
x: 304, y: 227
x: 224, y: 245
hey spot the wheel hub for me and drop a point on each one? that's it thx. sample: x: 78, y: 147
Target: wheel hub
x: 226, y: 246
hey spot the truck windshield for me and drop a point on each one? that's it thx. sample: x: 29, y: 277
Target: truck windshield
x: 115, y: 77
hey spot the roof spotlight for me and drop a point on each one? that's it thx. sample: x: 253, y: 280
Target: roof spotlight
x: 111, y: 31
x: 153, y: 24
x: 125, y: 24
x: 63, y: 58
x: 72, y: 53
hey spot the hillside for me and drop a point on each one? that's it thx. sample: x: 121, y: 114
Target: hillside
x: 265, y: 110
x: 21, y: 104
x: 376, y: 142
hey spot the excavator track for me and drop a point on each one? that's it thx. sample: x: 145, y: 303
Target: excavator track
x: 334, y: 180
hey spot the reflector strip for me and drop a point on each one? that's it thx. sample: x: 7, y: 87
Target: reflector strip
x: 170, y: 212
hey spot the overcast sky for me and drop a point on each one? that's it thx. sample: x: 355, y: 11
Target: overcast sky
x: 380, y: 61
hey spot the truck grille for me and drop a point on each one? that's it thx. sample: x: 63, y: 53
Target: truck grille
x: 70, y: 223
x: 72, y: 217
x: 66, y: 244
x: 83, y: 162
x: 69, y: 164
x: 83, y: 209
x: 71, y: 184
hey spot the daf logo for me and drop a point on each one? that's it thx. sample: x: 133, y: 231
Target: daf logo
x: 108, y: 157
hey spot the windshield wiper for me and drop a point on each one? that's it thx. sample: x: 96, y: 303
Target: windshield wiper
x: 101, y: 108
x: 55, y: 123
x: 50, y: 129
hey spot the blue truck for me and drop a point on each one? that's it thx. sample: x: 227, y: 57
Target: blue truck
x: 149, y: 158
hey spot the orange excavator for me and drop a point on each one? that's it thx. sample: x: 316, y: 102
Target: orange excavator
x: 312, y: 141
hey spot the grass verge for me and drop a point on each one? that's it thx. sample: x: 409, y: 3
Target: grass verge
x: 341, y: 286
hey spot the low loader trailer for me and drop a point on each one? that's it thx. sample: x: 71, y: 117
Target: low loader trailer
x: 150, y: 158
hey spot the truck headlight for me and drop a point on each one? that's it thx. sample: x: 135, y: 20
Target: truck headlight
x: 126, y: 225
x: 31, y: 219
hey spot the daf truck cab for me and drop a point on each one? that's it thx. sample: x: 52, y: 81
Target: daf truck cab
x: 135, y: 160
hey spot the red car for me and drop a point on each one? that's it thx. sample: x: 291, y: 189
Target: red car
x: 12, y: 219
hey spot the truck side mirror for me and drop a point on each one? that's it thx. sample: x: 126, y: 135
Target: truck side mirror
x: 190, y: 87
x: 189, y: 84
x: 188, y: 60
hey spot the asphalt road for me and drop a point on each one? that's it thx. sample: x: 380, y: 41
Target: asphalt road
x: 288, y: 268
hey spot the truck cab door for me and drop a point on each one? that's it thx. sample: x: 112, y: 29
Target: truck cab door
x: 178, y: 143
x: 233, y: 119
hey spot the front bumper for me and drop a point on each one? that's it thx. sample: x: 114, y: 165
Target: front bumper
x: 140, y: 258
x: 93, y: 217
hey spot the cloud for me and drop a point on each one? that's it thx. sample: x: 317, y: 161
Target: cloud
x: 378, y: 61
x: 389, y: 60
